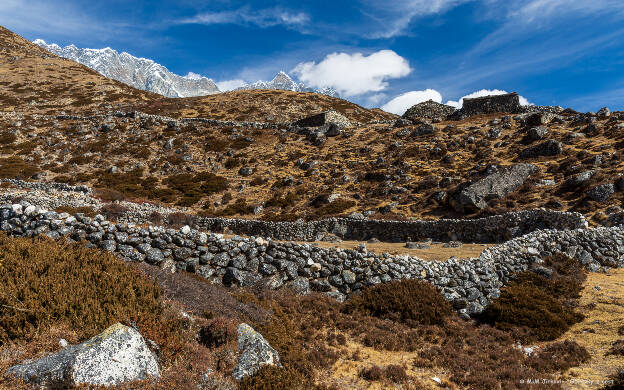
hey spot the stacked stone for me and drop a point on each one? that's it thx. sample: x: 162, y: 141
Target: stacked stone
x: 468, y: 284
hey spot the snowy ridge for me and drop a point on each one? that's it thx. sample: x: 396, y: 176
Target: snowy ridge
x: 141, y: 73
x: 284, y: 82
x: 145, y: 74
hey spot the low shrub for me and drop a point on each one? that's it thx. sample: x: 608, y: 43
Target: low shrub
x: 156, y: 218
x: 542, y: 306
x: 220, y: 331
x: 45, y: 283
x: 177, y: 220
x: 87, y: 211
x: 16, y: 168
x: 113, y: 211
x: 410, y: 301
x: 560, y: 356
x: 274, y: 378
x: 617, y: 348
x: 393, y: 372
x: 338, y: 206
x: 527, y: 306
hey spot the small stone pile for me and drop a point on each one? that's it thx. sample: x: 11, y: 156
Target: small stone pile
x: 429, y: 110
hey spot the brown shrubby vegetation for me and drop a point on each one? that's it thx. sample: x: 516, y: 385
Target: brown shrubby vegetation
x: 44, y: 283
x: 411, y: 301
x: 541, y: 307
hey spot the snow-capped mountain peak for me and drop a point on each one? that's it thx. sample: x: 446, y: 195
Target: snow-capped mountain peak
x: 284, y: 82
x: 141, y: 73
x: 145, y: 74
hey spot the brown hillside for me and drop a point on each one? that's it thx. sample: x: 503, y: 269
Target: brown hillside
x: 34, y: 80
x: 230, y: 170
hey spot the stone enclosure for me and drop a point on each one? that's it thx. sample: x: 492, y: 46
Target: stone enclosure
x: 469, y: 284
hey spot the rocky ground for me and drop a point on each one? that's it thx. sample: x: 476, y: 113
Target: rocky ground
x: 106, y: 277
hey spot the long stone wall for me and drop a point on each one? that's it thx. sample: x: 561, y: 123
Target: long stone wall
x: 492, y: 229
x: 496, y: 228
x: 468, y: 283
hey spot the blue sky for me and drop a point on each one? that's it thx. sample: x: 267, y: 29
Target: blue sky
x: 553, y: 52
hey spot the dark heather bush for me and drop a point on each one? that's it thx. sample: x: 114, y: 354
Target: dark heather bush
x: 617, y: 348
x: 410, y: 301
x: 43, y: 283
x: 372, y: 373
x: 219, y: 331
x: 542, y: 306
x: 560, y: 356
x: 528, y: 306
x: 113, y: 211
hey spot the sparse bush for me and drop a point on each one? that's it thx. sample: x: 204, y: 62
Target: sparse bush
x: 46, y: 283
x: 113, y: 211
x: 560, y: 356
x: 410, y: 301
x: 220, y: 331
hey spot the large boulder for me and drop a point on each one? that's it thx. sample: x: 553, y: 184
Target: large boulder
x: 495, y: 186
x: 327, y: 118
x: 544, y: 149
x: 429, y: 110
x: 117, y: 355
x: 254, y: 351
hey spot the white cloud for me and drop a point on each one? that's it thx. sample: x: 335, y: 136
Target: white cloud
x: 401, y: 103
x: 483, y: 92
x: 393, y: 17
x: 539, y: 10
x: 354, y: 74
x: 267, y: 17
x: 228, y: 85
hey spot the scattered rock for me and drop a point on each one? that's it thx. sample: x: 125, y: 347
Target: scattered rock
x: 255, y: 352
x: 545, y: 149
x: 602, y: 192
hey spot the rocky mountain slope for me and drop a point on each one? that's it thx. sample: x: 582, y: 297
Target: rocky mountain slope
x: 147, y: 75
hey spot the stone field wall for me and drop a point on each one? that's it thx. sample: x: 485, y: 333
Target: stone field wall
x: 468, y: 283
x: 492, y: 229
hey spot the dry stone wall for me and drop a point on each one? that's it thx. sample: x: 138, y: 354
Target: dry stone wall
x: 470, y: 284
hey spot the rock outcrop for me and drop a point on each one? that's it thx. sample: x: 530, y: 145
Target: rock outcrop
x: 255, y: 352
x: 495, y: 186
x: 429, y: 110
x: 117, y: 355
x: 330, y: 117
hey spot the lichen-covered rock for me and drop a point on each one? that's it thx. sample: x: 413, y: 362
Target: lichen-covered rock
x: 255, y: 352
x: 497, y: 185
x: 117, y: 355
x: 602, y: 192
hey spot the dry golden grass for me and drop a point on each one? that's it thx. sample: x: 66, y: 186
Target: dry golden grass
x: 354, y: 357
x: 435, y: 252
x: 604, y: 315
